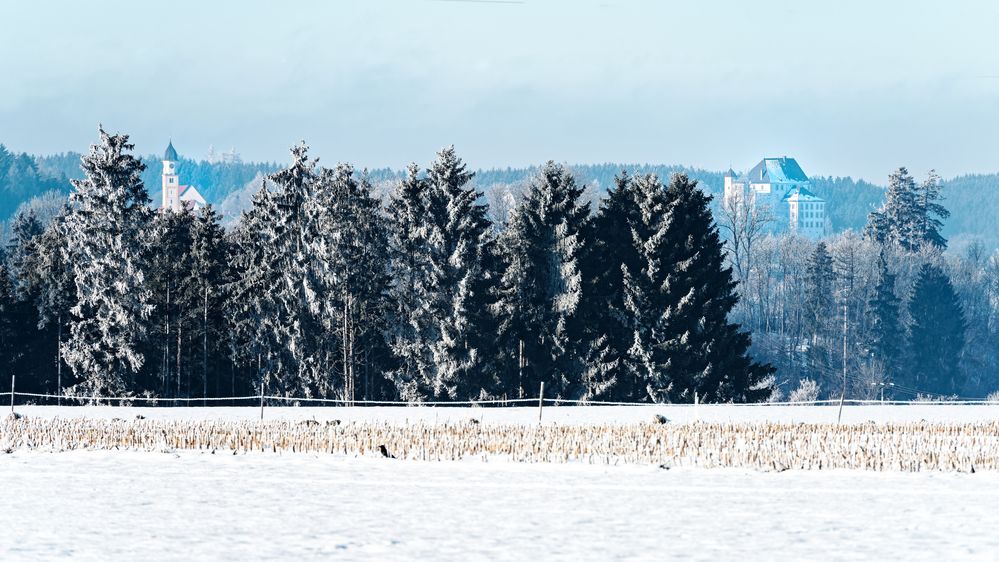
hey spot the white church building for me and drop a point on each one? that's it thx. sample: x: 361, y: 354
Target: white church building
x: 781, y: 185
x: 175, y: 195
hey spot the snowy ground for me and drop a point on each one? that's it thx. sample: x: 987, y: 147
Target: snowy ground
x: 129, y: 505
x: 551, y: 414
x: 193, y: 506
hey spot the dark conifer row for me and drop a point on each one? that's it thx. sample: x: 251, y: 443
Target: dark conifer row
x: 321, y: 291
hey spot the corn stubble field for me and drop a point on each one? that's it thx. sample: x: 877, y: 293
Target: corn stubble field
x: 907, y: 446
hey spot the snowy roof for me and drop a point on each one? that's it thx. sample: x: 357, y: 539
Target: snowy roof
x: 800, y: 194
x: 171, y: 153
x: 191, y: 193
x: 776, y: 170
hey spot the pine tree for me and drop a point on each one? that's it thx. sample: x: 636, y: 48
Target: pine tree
x: 887, y: 335
x: 937, y: 334
x: 541, y: 288
x: 106, y: 240
x: 679, y: 299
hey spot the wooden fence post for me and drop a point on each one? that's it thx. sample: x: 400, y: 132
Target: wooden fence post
x: 262, y: 397
x: 541, y: 401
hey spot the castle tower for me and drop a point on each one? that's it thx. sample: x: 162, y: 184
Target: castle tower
x: 171, y: 184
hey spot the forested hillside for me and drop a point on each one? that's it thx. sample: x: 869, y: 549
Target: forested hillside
x: 23, y: 176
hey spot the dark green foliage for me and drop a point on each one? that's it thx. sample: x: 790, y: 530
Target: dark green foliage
x: 679, y: 299
x: 887, y: 333
x: 937, y: 335
x: 540, y: 327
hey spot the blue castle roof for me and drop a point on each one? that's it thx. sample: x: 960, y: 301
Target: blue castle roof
x: 171, y: 153
x: 776, y: 170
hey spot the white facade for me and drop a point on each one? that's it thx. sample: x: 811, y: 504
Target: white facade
x: 176, y: 196
x: 782, y: 186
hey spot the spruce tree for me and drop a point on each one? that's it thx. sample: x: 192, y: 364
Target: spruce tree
x: 899, y: 219
x: 820, y: 310
x: 106, y: 238
x: 49, y: 277
x: 440, y: 248
x: 292, y: 360
x: 170, y: 278
x: 679, y: 299
x: 937, y: 335
x: 609, y: 335
x: 911, y: 217
x: 459, y: 242
x: 410, y: 329
x: 931, y: 212
x: 887, y: 334
x: 208, y: 267
x: 347, y: 284
x: 25, y: 341
x: 540, y: 329
x: 254, y: 335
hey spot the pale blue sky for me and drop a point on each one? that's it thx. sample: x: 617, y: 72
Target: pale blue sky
x: 849, y: 87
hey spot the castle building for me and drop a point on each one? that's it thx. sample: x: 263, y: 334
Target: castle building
x: 176, y: 196
x: 781, y: 185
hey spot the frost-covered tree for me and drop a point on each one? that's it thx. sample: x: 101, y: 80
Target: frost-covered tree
x: 679, y: 298
x: 911, y: 217
x: 254, y: 335
x: 887, y: 333
x: 821, y: 312
x: 931, y: 212
x: 285, y: 230
x: 107, y: 244
x: 609, y: 335
x: 937, y: 335
x: 346, y: 286
x: 208, y: 267
x: 410, y: 329
x: 172, y: 280
x: 48, y: 276
x: 540, y: 329
x: 440, y: 246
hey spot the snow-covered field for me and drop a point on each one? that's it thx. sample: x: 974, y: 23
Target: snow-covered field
x: 191, y: 505
x: 197, y: 506
x: 550, y: 414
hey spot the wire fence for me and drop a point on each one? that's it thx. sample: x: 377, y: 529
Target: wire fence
x: 270, y: 400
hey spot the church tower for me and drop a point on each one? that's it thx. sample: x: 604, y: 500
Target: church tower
x: 171, y: 184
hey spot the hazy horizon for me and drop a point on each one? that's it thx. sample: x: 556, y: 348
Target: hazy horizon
x: 847, y: 89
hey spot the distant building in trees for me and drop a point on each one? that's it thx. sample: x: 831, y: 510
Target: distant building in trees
x: 176, y: 196
x: 781, y: 185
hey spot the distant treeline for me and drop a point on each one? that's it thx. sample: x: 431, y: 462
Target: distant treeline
x: 24, y: 176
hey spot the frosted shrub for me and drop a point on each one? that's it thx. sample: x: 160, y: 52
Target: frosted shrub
x: 993, y: 396
x: 807, y: 391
